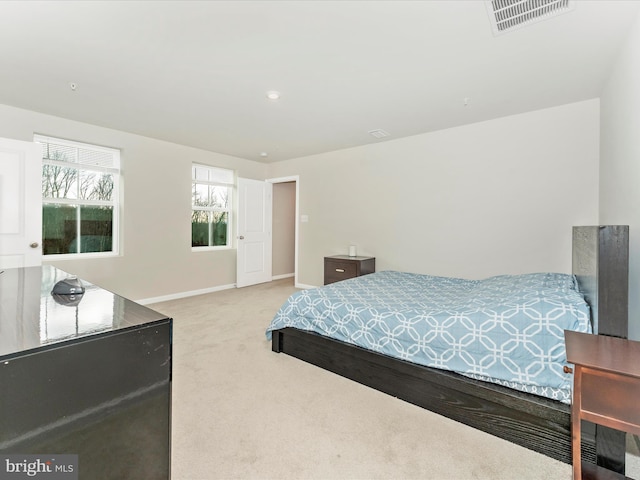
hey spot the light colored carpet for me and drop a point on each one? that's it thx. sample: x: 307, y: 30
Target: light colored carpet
x: 241, y: 411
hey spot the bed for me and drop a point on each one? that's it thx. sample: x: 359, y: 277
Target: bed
x: 450, y: 381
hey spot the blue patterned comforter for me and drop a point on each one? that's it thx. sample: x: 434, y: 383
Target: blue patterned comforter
x: 507, y: 329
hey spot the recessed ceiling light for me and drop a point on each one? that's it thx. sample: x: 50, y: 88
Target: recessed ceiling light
x: 273, y: 95
x: 73, y: 86
x: 264, y: 154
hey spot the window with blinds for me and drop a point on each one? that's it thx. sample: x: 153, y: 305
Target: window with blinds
x: 80, y: 194
x: 211, y: 195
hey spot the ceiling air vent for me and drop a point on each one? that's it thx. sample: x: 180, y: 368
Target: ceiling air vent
x: 378, y: 133
x: 508, y: 15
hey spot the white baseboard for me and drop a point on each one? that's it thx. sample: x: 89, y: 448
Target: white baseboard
x: 193, y: 293
x: 280, y: 277
x: 176, y: 296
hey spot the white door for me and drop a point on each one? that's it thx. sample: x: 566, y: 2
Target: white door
x: 20, y: 204
x: 254, y: 232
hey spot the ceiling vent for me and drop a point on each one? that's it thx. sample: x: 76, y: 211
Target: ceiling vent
x: 508, y: 15
x: 378, y: 133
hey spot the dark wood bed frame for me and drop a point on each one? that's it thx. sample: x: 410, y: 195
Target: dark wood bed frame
x: 600, y: 263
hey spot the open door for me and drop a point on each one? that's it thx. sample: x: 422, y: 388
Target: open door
x: 20, y: 204
x: 254, y: 232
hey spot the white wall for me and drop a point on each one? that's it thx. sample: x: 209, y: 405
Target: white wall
x: 489, y: 198
x: 483, y: 199
x: 620, y: 160
x: 156, y: 252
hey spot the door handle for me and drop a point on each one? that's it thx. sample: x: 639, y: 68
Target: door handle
x: 34, y: 245
x: 241, y: 237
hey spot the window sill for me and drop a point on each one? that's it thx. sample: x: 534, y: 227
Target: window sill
x: 78, y: 256
x: 211, y: 249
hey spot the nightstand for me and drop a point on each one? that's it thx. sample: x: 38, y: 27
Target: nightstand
x: 342, y: 267
x: 606, y: 388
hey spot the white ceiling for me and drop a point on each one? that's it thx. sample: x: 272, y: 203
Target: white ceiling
x: 196, y: 73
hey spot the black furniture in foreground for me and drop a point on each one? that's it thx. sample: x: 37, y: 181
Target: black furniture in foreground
x: 600, y: 263
x: 86, y: 375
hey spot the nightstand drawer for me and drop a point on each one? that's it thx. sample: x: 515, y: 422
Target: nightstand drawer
x: 342, y: 267
x: 336, y: 271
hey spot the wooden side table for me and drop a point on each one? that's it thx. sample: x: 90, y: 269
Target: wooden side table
x: 342, y: 267
x: 606, y: 389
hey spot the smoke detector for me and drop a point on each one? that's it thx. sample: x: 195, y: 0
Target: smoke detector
x: 508, y: 15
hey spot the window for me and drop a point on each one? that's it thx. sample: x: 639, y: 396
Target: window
x: 211, y: 194
x: 80, y: 192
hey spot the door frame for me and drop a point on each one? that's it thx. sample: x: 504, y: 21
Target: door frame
x: 296, y: 179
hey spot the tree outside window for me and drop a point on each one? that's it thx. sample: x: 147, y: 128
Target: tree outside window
x: 79, y: 197
x: 211, y: 194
